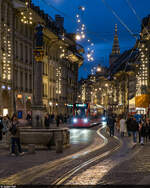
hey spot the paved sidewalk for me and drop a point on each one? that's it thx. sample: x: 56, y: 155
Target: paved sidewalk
x: 132, y: 170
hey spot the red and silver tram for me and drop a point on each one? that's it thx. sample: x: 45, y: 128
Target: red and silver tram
x: 81, y: 115
x: 84, y: 115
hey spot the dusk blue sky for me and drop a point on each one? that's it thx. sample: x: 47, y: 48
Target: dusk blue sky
x: 100, y: 22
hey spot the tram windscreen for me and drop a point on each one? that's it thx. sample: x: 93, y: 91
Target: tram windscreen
x: 81, y: 110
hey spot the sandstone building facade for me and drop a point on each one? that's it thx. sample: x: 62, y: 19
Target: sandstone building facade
x: 62, y: 58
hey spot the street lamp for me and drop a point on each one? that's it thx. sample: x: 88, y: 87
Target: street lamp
x: 50, y: 103
x: 78, y: 37
x: 98, y: 69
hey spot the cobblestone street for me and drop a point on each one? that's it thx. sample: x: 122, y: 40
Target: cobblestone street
x: 11, y: 165
x: 134, y: 170
x: 128, y: 163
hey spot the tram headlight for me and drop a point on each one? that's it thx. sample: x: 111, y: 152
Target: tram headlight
x: 103, y: 118
x: 85, y: 120
x: 75, y: 120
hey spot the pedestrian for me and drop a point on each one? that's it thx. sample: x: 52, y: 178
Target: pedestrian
x: 14, y: 115
x: 134, y: 128
x: 15, y: 136
x: 49, y: 119
x: 8, y: 117
x: 65, y: 118
x: 57, y: 120
x: 29, y: 118
x: 52, y: 118
x: 147, y: 129
x: 1, y: 128
x: 118, y: 123
x: 46, y: 121
x: 111, y: 124
x: 122, y: 126
x: 128, y: 124
x: 142, y: 132
x: 6, y: 126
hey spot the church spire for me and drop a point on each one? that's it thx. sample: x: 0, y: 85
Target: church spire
x: 115, y: 48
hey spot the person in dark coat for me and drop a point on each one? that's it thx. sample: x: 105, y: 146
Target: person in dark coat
x: 134, y: 128
x: 141, y: 132
x: 49, y: 119
x: 57, y: 120
x: 1, y: 128
x: 46, y: 121
x: 111, y: 124
x: 128, y: 123
x: 29, y: 118
x: 15, y: 136
x: 147, y: 129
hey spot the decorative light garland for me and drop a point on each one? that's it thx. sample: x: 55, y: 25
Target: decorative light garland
x: 80, y: 34
x: 26, y: 15
x: 7, y: 53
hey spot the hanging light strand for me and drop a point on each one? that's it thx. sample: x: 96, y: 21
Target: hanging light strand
x: 26, y: 14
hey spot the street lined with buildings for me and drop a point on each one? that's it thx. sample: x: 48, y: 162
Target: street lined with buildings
x: 56, y: 129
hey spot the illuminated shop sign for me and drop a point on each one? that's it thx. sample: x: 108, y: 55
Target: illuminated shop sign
x: 81, y: 105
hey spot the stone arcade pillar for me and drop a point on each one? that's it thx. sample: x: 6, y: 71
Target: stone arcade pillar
x: 37, y: 106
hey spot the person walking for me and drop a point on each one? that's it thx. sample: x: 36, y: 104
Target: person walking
x: 15, y: 136
x: 118, y: 123
x: 122, y: 126
x: 111, y: 124
x: 6, y: 126
x: 147, y: 129
x: 134, y: 128
x: 57, y: 120
x: 29, y: 118
x: 49, y: 119
x: 142, y: 131
x: 46, y: 121
x: 1, y: 128
x: 128, y: 124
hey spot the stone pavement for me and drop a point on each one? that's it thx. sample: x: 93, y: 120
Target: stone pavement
x: 11, y: 165
x: 132, y: 170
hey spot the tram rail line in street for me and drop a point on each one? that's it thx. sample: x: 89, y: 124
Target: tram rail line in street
x: 70, y: 173
x: 63, y: 173
x: 29, y: 175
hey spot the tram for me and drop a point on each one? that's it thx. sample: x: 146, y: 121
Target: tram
x: 85, y: 115
x: 81, y: 115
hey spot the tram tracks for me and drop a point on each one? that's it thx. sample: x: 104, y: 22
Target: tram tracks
x: 30, y: 175
x: 61, y: 180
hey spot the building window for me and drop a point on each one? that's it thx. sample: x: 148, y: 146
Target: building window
x: 30, y: 82
x: 8, y: 16
x: 26, y: 30
x: 3, y: 12
x: 26, y: 53
x: 30, y: 55
x: 16, y: 49
x: 30, y: 32
x: 16, y: 78
x: 21, y: 80
x: 21, y: 51
x: 26, y: 81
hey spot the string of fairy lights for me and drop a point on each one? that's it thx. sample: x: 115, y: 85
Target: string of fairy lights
x: 81, y: 33
x: 26, y: 14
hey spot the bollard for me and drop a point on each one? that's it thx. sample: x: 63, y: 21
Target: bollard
x: 31, y: 148
x: 59, y: 146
